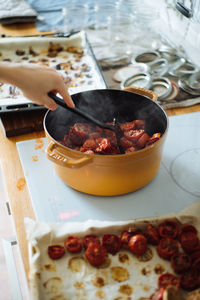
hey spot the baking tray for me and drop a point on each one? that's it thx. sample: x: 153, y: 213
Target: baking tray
x: 71, y: 55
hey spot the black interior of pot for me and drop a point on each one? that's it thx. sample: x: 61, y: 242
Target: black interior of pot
x: 105, y: 105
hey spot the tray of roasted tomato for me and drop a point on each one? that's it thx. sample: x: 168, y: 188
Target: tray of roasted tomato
x: 155, y: 258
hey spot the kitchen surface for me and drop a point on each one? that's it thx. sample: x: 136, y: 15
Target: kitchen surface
x: 31, y: 188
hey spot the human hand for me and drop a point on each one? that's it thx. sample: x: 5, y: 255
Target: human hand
x: 37, y: 81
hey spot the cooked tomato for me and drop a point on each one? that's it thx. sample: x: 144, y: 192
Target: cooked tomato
x: 158, y: 295
x: 151, y: 234
x: 167, y: 279
x: 127, y: 234
x: 154, y: 138
x: 90, y: 144
x: 95, y: 254
x: 79, y: 132
x: 167, y: 229
x: 180, y: 262
x: 134, y: 135
x: 133, y: 230
x: 186, y: 228
x: 127, y: 126
x: 156, y: 135
x: 56, y: 251
x: 73, y: 244
x: 112, y: 243
x: 125, y: 143
x: 138, y: 244
x: 140, y: 124
x: 90, y: 238
x: 190, y: 242
x: 104, y: 146
x: 190, y: 280
x: 167, y: 247
x: 125, y: 237
x: 141, y: 142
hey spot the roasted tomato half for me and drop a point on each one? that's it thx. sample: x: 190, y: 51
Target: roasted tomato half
x: 127, y: 234
x: 138, y: 244
x: 168, y: 229
x: 167, y: 247
x: 56, y: 251
x: 90, y: 238
x: 73, y: 244
x: 190, y: 242
x: 186, y: 228
x: 152, y: 235
x: 190, y: 280
x: 180, y: 262
x: 96, y: 254
x: 167, y: 279
x: 112, y: 243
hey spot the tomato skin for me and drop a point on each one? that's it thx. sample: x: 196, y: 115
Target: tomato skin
x: 167, y: 247
x: 56, y: 251
x: 138, y: 244
x: 73, y: 244
x: 180, y: 262
x: 167, y: 279
x: 152, y: 235
x: 112, y: 243
x: 168, y: 229
x: 189, y: 242
x: 96, y: 254
x: 190, y: 280
x: 158, y: 295
x: 90, y: 238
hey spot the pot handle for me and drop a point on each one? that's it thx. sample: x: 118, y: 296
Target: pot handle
x: 56, y: 157
x: 150, y: 94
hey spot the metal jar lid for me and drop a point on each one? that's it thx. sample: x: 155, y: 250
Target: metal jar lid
x: 185, y: 68
x: 175, y: 92
x: 169, y: 53
x: 125, y: 72
x: 158, y: 67
x: 162, y: 86
x: 183, y: 83
x: 147, y: 57
x: 194, y: 81
x: 142, y: 80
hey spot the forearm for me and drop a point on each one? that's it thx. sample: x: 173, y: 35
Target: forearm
x: 35, y: 82
x: 9, y: 73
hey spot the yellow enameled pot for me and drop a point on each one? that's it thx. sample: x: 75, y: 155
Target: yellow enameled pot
x: 107, y: 175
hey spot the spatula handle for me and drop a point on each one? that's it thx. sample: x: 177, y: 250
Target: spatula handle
x: 79, y: 112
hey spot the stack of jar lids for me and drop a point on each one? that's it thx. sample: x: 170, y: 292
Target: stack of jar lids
x: 190, y: 84
x: 166, y: 89
x: 161, y: 64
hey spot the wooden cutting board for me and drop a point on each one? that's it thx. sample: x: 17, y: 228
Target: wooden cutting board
x: 19, y: 123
